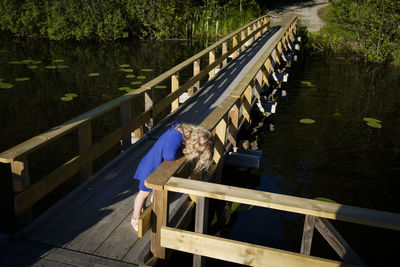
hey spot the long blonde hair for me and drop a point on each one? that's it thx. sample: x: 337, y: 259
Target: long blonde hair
x: 199, y: 144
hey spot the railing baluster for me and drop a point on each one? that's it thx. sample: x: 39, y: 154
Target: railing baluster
x: 21, y: 180
x: 126, y: 115
x: 200, y: 225
x: 211, y: 56
x: 174, y: 87
x: 234, y: 43
x: 148, y: 104
x: 308, y: 232
x: 196, y: 70
x: 224, y: 51
x: 160, y: 217
x: 85, y: 142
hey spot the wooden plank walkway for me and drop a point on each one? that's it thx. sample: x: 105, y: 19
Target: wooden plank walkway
x: 93, y: 221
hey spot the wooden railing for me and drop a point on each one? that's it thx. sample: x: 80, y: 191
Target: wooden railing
x: 26, y: 194
x: 224, y: 122
x: 254, y: 255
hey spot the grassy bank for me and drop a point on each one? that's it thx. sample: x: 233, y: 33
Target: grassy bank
x: 368, y: 30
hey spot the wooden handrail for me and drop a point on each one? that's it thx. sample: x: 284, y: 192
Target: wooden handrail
x: 36, y: 142
x: 370, y: 217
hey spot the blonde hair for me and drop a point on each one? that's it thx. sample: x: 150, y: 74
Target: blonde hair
x: 199, y: 144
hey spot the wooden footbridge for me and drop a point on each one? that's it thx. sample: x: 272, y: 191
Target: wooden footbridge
x: 91, y: 225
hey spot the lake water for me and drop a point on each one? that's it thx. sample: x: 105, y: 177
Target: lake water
x: 338, y: 157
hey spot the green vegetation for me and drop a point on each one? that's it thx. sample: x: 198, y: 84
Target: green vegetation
x: 114, y: 19
x: 368, y: 29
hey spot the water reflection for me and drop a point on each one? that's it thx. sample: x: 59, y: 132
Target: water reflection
x: 339, y: 156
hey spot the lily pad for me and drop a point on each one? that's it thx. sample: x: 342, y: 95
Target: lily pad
x: 147, y: 70
x: 136, y: 82
x: 307, y: 83
x: 22, y: 79
x: 94, y: 74
x: 160, y: 86
x: 141, y: 77
x: 26, y: 61
x: 374, y: 124
x: 1, y: 80
x: 126, y: 70
x: 71, y: 95
x: 308, y: 121
x: 66, y: 98
x: 130, y: 76
x: 14, y: 62
x: 124, y: 88
x: 124, y: 65
x: 62, y: 67
x: 37, y: 62
x: 367, y: 119
x: 239, y: 207
x: 32, y: 67
x: 6, y: 85
x: 325, y: 199
x: 51, y: 67
x: 57, y: 60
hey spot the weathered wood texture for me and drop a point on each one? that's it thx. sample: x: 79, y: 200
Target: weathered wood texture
x: 18, y: 252
x: 299, y: 205
x: 237, y: 252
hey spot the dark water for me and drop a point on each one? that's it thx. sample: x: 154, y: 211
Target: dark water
x: 338, y: 157
x: 34, y: 106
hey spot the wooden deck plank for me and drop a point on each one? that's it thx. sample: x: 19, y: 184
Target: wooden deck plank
x: 66, y: 208
x: 19, y: 252
x: 102, y: 226
x: 94, y: 210
x: 120, y: 241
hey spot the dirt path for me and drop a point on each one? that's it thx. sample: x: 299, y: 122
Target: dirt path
x: 306, y: 10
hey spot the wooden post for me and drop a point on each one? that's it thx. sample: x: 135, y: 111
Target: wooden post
x: 219, y: 148
x: 85, y: 142
x: 258, y: 26
x: 126, y: 115
x: 249, y: 31
x: 148, y: 104
x: 234, y: 43
x: 200, y: 225
x: 265, y: 22
x: 211, y: 56
x: 21, y: 180
x: 234, y: 123
x: 308, y: 232
x: 247, y: 102
x: 174, y: 87
x: 242, y: 37
x: 196, y: 70
x: 224, y: 51
x: 159, y: 219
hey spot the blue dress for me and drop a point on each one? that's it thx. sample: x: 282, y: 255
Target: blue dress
x: 168, y: 147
